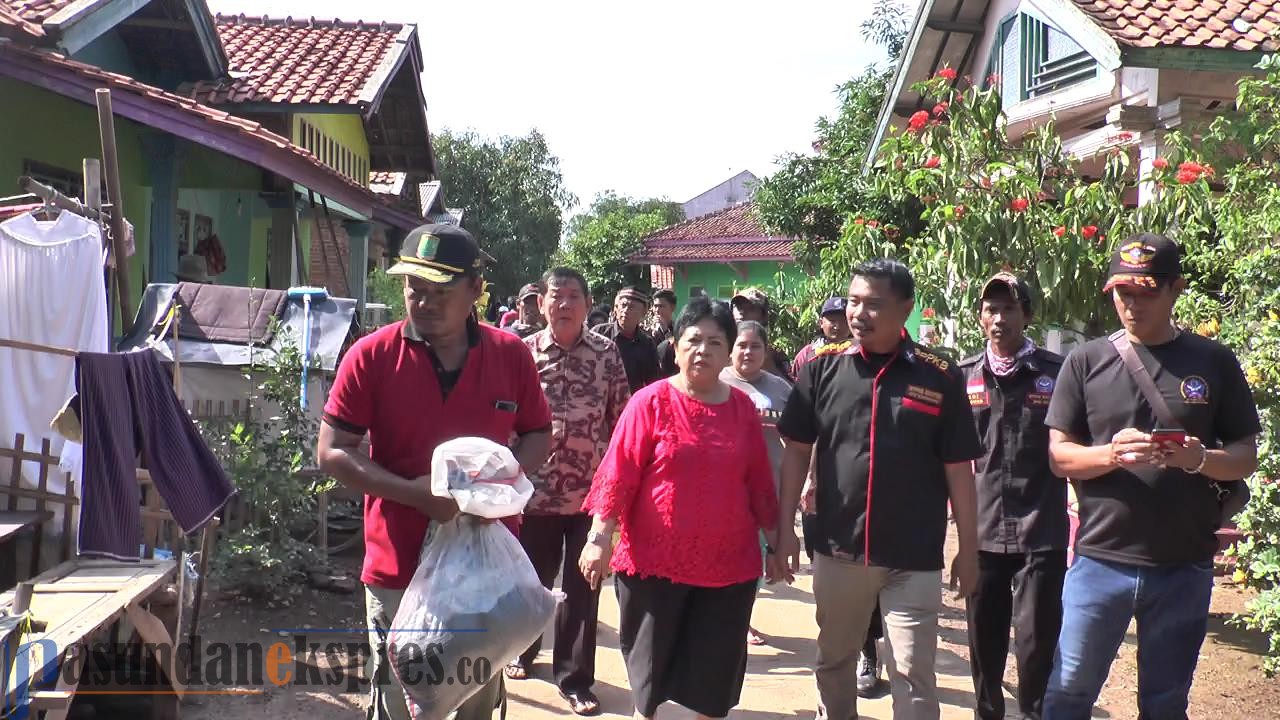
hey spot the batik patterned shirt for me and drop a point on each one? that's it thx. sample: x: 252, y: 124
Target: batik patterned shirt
x: 586, y: 388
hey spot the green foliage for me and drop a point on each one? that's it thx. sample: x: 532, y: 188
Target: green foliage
x: 601, y: 239
x: 514, y: 196
x: 387, y: 290
x: 264, y: 456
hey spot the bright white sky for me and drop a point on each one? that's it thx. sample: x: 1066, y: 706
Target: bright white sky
x: 652, y: 99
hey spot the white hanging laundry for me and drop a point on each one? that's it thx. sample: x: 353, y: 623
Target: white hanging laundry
x: 52, y: 293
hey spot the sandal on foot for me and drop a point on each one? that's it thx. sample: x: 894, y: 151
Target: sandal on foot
x: 755, y: 638
x: 582, y: 702
x: 516, y: 671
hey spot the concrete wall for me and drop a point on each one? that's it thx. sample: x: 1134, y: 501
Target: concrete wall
x: 737, y: 189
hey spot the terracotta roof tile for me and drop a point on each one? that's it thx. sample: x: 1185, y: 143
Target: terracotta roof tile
x: 1223, y: 24
x: 730, y: 234
x: 283, y: 60
x: 35, y: 11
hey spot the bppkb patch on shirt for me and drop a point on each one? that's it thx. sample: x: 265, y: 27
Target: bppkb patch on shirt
x: 925, y: 395
x: 1195, y: 390
x: 1044, y: 384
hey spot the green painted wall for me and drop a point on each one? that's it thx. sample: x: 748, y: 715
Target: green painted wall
x: 202, y: 167
x: 721, y: 281
x: 60, y: 132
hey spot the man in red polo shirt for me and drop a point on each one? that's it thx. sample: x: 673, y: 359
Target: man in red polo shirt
x: 436, y: 376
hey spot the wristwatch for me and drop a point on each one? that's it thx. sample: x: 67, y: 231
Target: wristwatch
x: 597, y: 538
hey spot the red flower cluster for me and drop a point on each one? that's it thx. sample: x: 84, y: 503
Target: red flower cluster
x: 933, y: 162
x: 873, y: 224
x: 918, y: 121
x: 940, y: 109
x: 961, y: 210
x: 859, y: 221
x: 1189, y: 172
x: 1019, y: 204
x: 1160, y: 163
x: 1060, y: 230
x: 1089, y: 231
x: 947, y: 73
x: 928, y: 314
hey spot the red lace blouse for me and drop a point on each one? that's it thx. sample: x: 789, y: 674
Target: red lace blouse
x: 691, y: 487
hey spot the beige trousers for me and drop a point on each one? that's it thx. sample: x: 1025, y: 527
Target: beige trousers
x: 845, y: 594
x: 387, y: 701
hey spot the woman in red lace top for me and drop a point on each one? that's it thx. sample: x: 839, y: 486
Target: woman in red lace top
x: 687, y: 480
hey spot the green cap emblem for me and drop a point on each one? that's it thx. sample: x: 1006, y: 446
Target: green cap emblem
x: 427, y: 246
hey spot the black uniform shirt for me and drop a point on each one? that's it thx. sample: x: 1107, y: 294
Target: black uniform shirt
x: 884, y: 429
x: 1022, y: 506
x: 1144, y: 515
x: 639, y: 355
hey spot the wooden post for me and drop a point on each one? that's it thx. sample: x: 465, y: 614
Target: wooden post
x: 111, y: 170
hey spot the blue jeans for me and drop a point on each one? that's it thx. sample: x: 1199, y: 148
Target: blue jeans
x: 1171, y: 604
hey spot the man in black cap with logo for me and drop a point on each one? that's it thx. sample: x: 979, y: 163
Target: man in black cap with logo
x: 529, y: 311
x: 1155, y: 427
x: 1022, y: 506
x: 639, y: 354
x: 410, y: 386
x: 752, y: 304
x: 834, y: 328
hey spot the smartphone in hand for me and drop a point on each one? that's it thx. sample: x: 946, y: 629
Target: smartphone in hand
x: 1168, y: 439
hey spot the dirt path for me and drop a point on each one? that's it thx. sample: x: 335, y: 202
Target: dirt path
x: 779, y: 684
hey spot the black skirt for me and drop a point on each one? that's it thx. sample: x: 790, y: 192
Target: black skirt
x: 684, y: 643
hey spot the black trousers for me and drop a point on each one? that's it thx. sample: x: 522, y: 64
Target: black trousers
x: 1025, y: 590
x: 553, y: 542
x: 683, y: 643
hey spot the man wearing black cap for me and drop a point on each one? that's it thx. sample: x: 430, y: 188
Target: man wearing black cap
x: 1154, y: 426
x: 639, y: 355
x: 834, y: 327
x: 1022, y: 506
x: 529, y: 309
x: 752, y: 304
x: 410, y: 386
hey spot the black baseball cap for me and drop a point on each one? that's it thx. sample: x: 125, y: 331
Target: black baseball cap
x: 1144, y: 260
x: 832, y: 305
x: 439, y: 254
x: 530, y: 289
x: 1010, y: 283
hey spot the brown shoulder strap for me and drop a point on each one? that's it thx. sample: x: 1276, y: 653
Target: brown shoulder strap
x: 1140, y: 375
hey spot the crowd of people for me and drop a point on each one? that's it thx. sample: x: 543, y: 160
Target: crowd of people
x: 676, y: 451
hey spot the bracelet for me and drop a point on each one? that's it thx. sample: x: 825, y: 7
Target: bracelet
x: 1204, y: 458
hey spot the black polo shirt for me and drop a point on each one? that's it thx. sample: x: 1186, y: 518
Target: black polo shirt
x: 884, y: 429
x: 1022, y: 506
x: 639, y: 354
x: 1144, y: 515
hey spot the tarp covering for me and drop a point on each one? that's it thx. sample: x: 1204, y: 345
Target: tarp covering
x: 331, y: 321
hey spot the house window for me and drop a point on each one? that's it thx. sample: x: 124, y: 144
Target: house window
x: 1032, y: 58
x: 66, y: 182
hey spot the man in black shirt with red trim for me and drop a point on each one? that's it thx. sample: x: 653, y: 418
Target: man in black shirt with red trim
x: 895, y: 441
x: 1022, y: 506
x: 1149, y: 502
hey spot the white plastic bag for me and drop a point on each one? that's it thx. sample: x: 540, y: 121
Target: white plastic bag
x: 473, y: 604
x: 482, y: 476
